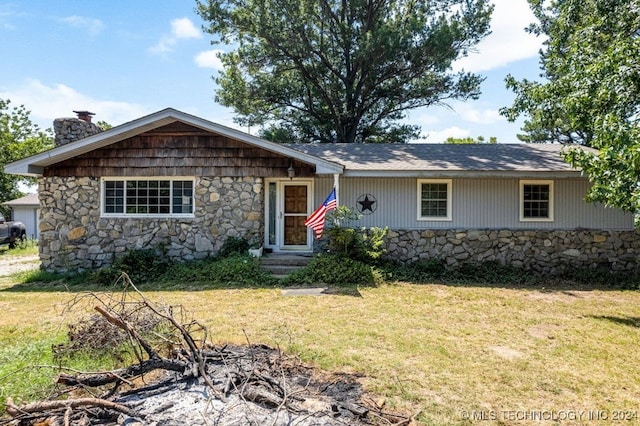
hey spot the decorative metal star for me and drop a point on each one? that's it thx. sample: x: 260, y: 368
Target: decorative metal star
x: 367, y: 204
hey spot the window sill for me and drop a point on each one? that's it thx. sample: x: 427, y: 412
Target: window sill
x: 146, y: 216
x: 524, y: 219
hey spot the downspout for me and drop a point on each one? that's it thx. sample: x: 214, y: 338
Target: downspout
x: 336, y: 185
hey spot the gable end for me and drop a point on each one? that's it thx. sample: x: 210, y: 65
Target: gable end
x: 178, y: 149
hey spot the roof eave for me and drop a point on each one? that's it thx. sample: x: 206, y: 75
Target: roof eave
x: 34, y: 165
x: 544, y: 174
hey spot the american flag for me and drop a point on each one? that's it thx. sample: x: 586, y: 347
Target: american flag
x: 316, y: 220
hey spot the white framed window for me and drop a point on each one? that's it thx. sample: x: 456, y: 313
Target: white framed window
x: 148, y: 197
x: 536, y: 201
x: 434, y: 199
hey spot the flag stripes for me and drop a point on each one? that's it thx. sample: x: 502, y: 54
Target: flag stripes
x: 316, y: 220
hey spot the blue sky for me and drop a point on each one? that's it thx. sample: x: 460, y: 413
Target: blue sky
x: 125, y: 59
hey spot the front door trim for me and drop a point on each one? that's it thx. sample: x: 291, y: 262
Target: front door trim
x: 274, y: 214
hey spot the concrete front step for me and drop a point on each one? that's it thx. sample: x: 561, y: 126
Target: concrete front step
x: 281, y: 265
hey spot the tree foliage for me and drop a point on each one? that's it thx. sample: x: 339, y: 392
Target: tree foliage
x: 19, y: 138
x: 104, y: 125
x: 470, y: 141
x: 342, y: 71
x: 591, y: 93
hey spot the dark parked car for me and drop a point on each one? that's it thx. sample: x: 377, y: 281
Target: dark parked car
x: 12, y: 233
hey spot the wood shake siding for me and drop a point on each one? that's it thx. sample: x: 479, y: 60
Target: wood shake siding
x: 178, y: 150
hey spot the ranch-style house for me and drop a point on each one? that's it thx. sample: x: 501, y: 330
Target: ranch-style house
x: 185, y: 184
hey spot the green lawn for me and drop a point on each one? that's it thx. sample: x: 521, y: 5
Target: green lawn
x: 447, y: 352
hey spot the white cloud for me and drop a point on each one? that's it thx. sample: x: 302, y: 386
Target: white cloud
x: 8, y: 13
x: 478, y: 116
x: 94, y: 26
x: 47, y: 103
x: 184, y: 28
x: 164, y: 46
x: 209, y: 59
x: 508, y: 41
x: 181, y: 28
x: 422, y: 117
x: 439, y: 136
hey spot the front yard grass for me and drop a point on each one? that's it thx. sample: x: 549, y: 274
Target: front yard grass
x: 447, y: 352
x: 29, y: 247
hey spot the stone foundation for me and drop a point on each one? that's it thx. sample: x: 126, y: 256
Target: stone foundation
x: 73, y: 236
x: 545, y: 252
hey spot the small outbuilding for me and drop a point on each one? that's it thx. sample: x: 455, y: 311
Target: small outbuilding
x: 26, y: 210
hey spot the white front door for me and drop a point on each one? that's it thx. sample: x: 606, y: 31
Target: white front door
x: 288, y: 204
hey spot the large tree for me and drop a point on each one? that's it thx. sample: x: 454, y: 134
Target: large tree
x: 590, y: 94
x: 19, y: 138
x: 342, y: 70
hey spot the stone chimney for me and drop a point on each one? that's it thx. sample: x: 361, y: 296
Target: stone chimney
x: 71, y: 129
x: 85, y: 115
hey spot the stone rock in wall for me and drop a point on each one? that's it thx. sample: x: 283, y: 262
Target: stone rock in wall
x: 598, y: 238
x: 572, y: 253
x: 76, y: 233
x: 69, y: 130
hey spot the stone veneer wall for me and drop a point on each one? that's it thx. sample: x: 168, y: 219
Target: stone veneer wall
x: 73, y: 236
x: 545, y: 252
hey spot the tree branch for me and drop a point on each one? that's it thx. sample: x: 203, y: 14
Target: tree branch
x: 39, y: 407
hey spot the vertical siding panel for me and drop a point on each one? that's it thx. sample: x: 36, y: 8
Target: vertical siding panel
x: 395, y: 206
x: 572, y: 211
x: 322, y: 187
x: 486, y: 203
x: 477, y: 204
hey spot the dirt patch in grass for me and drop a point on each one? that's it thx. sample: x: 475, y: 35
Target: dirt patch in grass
x: 506, y: 352
x: 10, y: 264
x: 544, y: 331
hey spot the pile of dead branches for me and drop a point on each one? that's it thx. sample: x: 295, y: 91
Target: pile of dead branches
x: 179, y: 378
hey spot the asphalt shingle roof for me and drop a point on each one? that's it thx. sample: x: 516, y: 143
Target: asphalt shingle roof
x: 27, y: 200
x: 442, y: 157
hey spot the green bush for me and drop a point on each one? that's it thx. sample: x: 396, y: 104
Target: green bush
x: 364, y: 244
x: 234, y: 270
x: 242, y: 270
x: 434, y: 269
x: 495, y: 273
x: 38, y: 275
x: 371, y: 244
x: 233, y: 246
x: 141, y: 266
x: 420, y: 272
x: 603, y: 278
x: 335, y: 270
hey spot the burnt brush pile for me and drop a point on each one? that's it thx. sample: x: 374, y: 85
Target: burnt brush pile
x: 180, y: 379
